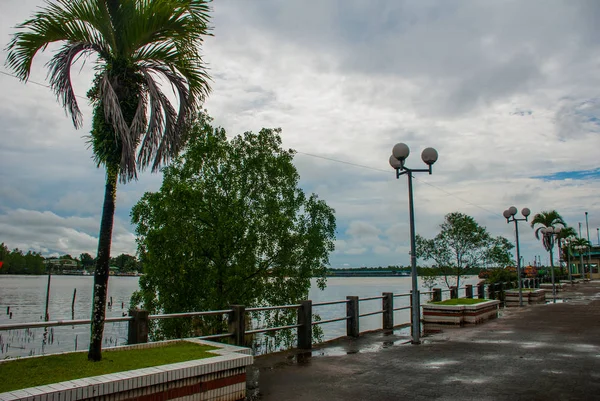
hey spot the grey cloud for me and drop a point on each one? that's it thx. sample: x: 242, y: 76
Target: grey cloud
x: 463, y: 53
x: 577, y: 117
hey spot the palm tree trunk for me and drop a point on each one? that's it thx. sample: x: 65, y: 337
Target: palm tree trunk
x: 102, y: 265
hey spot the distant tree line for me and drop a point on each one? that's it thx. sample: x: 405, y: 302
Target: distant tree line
x: 19, y: 262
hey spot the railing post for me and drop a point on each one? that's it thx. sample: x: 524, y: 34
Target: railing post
x: 481, y: 290
x: 352, y: 326
x: 388, y: 310
x: 138, y: 327
x: 453, y: 292
x: 469, y: 291
x: 492, y: 291
x: 305, y: 320
x: 237, y: 324
x: 412, y: 306
x: 437, y: 295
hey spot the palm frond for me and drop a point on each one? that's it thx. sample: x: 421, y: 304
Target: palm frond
x: 53, y: 23
x: 114, y: 115
x: 60, y: 76
x: 537, y: 232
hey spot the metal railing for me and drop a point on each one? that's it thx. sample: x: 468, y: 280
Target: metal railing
x: 139, y: 320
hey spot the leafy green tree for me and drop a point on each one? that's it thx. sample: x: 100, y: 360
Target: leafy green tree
x: 4, y: 252
x: 501, y: 276
x: 461, y: 244
x: 125, y: 263
x: 230, y: 225
x: 498, y: 252
x: 35, y: 263
x: 87, y: 260
x: 138, y: 44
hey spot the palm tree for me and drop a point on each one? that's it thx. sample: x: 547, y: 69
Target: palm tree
x: 580, y: 244
x: 565, y: 233
x: 137, y: 44
x: 544, y: 220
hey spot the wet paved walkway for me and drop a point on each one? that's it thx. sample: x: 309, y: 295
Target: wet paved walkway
x: 541, y: 352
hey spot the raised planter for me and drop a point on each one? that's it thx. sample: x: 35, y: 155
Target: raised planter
x: 437, y: 317
x: 222, y: 378
x: 530, y: 296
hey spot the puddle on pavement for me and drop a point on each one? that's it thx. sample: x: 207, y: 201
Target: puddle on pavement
x: 533, y: 344
x: 438, y: 364
x: 466, y: 380
x: 558, y: 301
x: 355, y: 349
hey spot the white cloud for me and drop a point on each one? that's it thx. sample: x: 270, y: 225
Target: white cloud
x: 47, y: 232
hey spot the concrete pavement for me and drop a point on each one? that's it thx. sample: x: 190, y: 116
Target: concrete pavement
x: 540, y: 352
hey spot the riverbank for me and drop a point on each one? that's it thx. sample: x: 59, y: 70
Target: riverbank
x: 541, y: 352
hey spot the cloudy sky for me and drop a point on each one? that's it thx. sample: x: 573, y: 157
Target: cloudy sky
x: 508, y: 92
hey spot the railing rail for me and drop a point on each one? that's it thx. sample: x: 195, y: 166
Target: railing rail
x: 189, y: 314
x: 343, y: 301
x: 139, y: 320
x: 56, y: 323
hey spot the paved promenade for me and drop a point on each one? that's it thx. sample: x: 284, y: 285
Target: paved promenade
x: 541, y: 352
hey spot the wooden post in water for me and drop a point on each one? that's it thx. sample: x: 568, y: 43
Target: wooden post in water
x: 73, y: 301
x: 437, y: 295
x: 46, y: 315
x: 453, y: 292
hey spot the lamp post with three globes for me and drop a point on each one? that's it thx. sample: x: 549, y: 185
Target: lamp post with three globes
x: 429, y: 156
x: 510, y: 216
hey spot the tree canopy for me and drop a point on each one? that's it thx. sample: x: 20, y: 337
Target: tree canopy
x: 462, y: 243
x: 230, y: 225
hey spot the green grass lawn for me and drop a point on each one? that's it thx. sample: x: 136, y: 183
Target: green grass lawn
x: 29, y: 372
x: 461, y: 301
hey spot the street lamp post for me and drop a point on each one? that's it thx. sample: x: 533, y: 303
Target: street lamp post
x: 399, y: 154
x: 549, y: 234
x: 510, y: 216
x: 587, y: 228
x: 568, y: 241
x: 580, y: 249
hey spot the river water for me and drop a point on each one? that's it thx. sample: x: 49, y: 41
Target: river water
x: 24, y: 297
